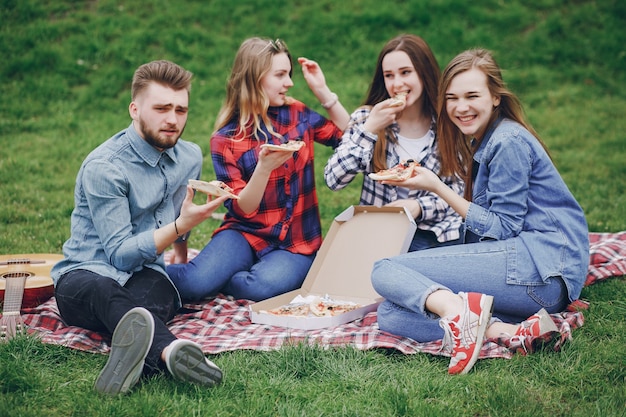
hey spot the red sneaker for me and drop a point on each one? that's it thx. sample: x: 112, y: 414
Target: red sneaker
x: 535, y: 332
x: 464, y: 334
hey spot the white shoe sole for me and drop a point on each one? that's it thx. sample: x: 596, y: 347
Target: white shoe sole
x: 130, y: 344
x: 186, y: 362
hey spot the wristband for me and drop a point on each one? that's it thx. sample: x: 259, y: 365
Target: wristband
x: 330, y: 103
x: 176, y: 229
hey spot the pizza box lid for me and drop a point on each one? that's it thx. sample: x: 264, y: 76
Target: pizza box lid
x: 342, y: 268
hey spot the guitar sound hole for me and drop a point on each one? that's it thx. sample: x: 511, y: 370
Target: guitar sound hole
x: 8, y: 275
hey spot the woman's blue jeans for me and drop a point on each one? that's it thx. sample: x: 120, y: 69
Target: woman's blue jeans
x: 230, y: 266
x: 502, y: 269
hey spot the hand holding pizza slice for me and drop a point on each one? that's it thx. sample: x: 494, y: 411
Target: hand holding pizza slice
x: 290, y: 146
x: 398, y: 100
x: 215, y: 188
x: 404, y: 170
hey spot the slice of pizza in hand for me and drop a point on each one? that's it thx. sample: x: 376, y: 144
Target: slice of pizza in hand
x: 398, y: 100
x: 290, y: 146
x: 215, y: 187
x: 402, y: 171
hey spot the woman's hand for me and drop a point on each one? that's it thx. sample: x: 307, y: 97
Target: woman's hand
x: 422, y: 179
x: 315, y: 78
x: 410, y: 204
x: 381, y: 116
x: 425, y: 179
x: 270, y: 160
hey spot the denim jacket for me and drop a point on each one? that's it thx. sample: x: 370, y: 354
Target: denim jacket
x: 519, y: 194
x: 125, y: 189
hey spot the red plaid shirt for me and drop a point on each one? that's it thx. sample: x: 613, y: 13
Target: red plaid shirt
x: 288, y: 216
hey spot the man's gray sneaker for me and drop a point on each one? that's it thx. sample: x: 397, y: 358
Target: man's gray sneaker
x: 186, y: 362
x: 130, y: 344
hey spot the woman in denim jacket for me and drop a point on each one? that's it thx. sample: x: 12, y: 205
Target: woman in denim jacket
x: 526, y: 248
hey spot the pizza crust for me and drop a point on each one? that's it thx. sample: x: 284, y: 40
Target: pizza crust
x: 398, y: 100
x: 215, y: 187
x: 290, y: 146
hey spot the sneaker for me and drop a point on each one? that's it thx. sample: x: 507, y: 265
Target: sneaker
x: 464, y: 334
x: 130, y: 344
x: 186, y: 362
x: 534, y: 333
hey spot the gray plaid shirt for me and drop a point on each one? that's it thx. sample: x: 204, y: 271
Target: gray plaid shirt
x: 354, y: 155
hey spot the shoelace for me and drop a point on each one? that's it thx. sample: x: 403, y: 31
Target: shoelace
x: 447, y: 344
x: 465, y: 334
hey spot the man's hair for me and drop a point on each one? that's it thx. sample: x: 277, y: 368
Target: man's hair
x: 163, y: 72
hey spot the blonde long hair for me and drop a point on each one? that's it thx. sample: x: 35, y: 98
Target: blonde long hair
x: 455, y: 148
x: 245, y: 99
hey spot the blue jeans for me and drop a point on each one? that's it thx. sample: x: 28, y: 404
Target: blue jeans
x: 502, y: 269
x: 95, y: 302
x: 230, y: 266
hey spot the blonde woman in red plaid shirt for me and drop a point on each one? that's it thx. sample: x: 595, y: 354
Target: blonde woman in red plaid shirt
x: 270, y: 235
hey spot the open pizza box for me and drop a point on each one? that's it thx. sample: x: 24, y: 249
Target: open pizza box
x: 342, y: 269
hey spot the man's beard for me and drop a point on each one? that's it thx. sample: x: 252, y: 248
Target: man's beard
x: 155, y: 139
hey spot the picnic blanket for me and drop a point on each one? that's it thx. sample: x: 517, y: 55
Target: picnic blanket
x: 223, y: 324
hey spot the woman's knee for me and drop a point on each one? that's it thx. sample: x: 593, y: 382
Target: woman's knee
x: 381, y: 276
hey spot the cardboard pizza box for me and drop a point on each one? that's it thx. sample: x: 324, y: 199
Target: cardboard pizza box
x: 342, y: 269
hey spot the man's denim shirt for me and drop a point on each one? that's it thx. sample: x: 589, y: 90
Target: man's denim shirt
x: 518, y: 193
x: 125, y: 189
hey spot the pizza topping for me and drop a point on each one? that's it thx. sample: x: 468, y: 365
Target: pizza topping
x: 290, y: 146
x: 313, y: 306
x: 293, y: 309
x: 402, y: 171
x: 325, y: 307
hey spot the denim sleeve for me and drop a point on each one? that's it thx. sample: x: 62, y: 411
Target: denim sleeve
x: 353, y: 155
x: 107, y: 192
x: 500, y: 196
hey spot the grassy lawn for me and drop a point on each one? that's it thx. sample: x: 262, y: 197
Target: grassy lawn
x: 65, y: 74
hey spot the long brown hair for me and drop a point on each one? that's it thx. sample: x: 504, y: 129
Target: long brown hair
x: 427, y: 69
x: 245, y: 98
x: 455, y: 148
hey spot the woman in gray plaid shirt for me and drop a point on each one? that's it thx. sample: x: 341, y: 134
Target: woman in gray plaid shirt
x: 380, y: 136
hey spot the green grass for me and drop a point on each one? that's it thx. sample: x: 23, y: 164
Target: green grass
x: 65, y: 77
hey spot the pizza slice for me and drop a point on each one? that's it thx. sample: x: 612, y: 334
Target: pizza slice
x: 292, y: 309
x: 215, y: 187
x: 402, y: 171
x: 398, y: 100
x: 290, y: 146
x: 323, y: 307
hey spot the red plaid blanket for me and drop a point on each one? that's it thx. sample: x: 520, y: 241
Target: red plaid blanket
x: 223, y: 324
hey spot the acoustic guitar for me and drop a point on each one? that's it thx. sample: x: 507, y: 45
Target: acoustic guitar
x: 24, y: 282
